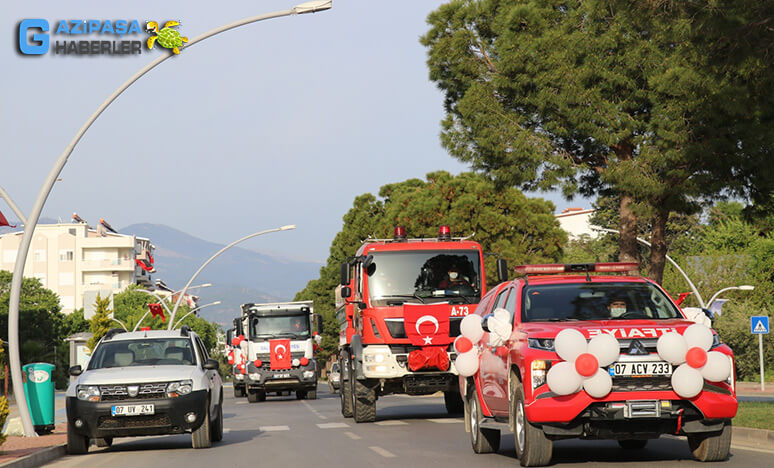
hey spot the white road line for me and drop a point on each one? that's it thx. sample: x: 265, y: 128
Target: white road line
x: 752, y: 449
x: 335, y: 425
x: 226, y: 430
x: 273, y: 428
x: 391, y: 422
x: 309, y: 407
x: 382, y: 452
x: 446, y: 420
x: 352, y: 435
x: 240, y: 403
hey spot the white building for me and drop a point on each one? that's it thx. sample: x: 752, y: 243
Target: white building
x: 76, y: 262
x: 576, y: 222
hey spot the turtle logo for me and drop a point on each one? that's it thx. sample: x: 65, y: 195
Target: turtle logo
x: 166, y: 37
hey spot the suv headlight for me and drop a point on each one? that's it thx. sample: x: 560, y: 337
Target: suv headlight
x: 715, y: 341
x: 88, y: 392
x: 543, y: 344
x: 176, y: 389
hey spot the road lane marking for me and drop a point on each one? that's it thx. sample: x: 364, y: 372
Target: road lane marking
x: 382, y: 452
x: 273, y: 428
x: 309, y: 407
x: 240, y: 403
x: 226, y: 430
x: 446, y: 420
x: 334, y: 425
x: 352, y: 435
x: 391, y: 422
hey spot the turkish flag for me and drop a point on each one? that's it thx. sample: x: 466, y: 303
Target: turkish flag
x: 427, y: 324
x: 157, y: 311
x: 279, y: 354
x: 4, y: 222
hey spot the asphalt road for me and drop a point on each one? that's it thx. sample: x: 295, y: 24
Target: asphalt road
x: 409, y: 432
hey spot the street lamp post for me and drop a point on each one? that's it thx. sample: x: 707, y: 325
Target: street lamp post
x: 194, y: 310
x: 744, y: 287
x: 32, y: 220
x: 215, y: 255
x: 4, y: 195
x: 161, y: 301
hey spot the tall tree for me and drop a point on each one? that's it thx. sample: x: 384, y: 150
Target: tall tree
x: 101, y: 322
x: 469, y: 203
x: 599, y: 97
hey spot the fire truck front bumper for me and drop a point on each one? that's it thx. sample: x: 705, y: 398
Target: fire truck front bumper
x: 380, y: 362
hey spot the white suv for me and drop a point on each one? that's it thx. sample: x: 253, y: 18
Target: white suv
x: 145, y: 383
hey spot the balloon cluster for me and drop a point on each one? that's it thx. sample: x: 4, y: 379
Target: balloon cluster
x: 690, y: 351
x: 584, y: 363
x: 471, y: 332
x: 499, y: 325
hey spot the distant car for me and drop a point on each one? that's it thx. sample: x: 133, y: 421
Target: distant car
x: 334, y: 377
x: 145, y: 383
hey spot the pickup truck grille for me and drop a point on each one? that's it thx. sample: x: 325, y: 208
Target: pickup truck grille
x: 144, y: 392
x: 639, y: 384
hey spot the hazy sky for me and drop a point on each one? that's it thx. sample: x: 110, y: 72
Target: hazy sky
x: 279, y: 122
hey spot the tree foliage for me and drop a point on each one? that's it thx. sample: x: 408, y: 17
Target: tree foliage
x: 628, y: 99
x: 504, y: 221
x: 101, y: 322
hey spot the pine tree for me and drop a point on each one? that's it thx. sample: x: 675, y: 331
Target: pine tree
x: 101, y: 322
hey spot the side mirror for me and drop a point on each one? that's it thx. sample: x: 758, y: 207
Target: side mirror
x: 211, y: 364
x: 346, y: 292
x: 76, y: 370
x: 485, y: 322
x: 344, y: 280
x: 502, y: 270
x: 319, y: 322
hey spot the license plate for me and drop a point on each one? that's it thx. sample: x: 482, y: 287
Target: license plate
x: 132, y: 410
x: 281, y: 376
x: 640, y: 369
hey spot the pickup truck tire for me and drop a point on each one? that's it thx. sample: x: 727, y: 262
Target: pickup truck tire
x: 633, y: 444
x: 711, y: 448
x: 345, y: 394
x: 483, y: 440
x: 103, y: 442
x: 76, y: 443
x: 202, y: 437
x: 532, y: 446
x: 364, y: 401
x: 239, y: 392
x: 453, y: 401
x: 254, y: 396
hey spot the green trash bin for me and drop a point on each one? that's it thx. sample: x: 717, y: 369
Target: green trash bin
x: 39, y: 390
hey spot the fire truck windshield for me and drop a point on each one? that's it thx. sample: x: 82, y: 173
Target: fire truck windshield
x: 424, y: 276
x: 596, y: 301
x: 292, y: 326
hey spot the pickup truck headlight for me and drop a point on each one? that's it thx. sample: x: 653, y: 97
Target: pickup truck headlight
x: 543, y: 344
x: 182, y: 387
x: 88, y: 392
x: 539, y: 371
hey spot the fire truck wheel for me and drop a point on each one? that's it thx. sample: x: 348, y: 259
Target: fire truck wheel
x: 483, y: 440
x: 254, y: 396
x: 532, y: 446
x: 453, y: 401
x: 711, y: 448
x: 311, y: 395
x: 345, y: 394
x: 239, y: 392
x: 202, y: 437
x: 633, y: 444
x: 301, y: 394
x: 364, y: 401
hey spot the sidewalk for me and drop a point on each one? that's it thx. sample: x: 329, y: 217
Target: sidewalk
x: 754, y: 389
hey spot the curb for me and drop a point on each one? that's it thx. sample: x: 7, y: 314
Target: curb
x: 37, y: 458
x: 750, y: 437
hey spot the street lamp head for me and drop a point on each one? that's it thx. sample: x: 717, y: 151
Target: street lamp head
x: 288, y: 227
x: 312, y: 7
x: 746, y: 287
x: 216, y: 303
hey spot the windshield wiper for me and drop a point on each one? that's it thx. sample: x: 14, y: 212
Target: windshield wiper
x: 403, y: 296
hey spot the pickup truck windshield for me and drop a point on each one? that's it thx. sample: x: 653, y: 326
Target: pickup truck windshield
x: 148, y: 352
x: 424, y: 276
x: 288, y: 326
x: 596, y: 301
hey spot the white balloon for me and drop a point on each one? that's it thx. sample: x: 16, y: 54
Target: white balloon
x: 606, y: 348
x: 697, y: 315
x: 470, y: 326
x: 467, y: 363
x: 687, y: 381
x: 672, y: 348
x: 599, y: 384
x: 698, y: 335
x: 502, y: 315
x: 569, y: 344
x: 717, y: 368
x: 562, y: 379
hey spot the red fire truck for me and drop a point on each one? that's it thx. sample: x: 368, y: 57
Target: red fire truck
x: 399, y: 305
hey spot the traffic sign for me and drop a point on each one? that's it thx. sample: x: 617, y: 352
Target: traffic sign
x: 759, y: 324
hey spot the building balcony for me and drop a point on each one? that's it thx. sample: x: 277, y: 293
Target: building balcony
x: 119, y: 242
x: 108, y: 265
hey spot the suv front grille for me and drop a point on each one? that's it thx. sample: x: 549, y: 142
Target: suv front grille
x: 144, y: 392
x: 637, y: 384
x: 109, y: 422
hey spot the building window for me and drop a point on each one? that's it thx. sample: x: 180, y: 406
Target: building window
x: 9, y: 256
x: 40, y: 255
x: 65, y: 255
x: 66, y: 279
x: 72, y: 231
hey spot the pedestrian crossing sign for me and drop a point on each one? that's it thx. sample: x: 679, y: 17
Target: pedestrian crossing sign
x: 759, y: 324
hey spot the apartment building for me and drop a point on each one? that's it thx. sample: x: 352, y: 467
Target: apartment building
x: 75, y: 261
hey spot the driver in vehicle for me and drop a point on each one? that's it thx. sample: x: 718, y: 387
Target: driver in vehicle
x: 617, y: 308
x: 453, y: 279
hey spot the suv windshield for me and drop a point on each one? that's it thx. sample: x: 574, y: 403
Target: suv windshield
x: 295, y: 326
x: 145, y: 352
x: 424, y: 276
x: 596, y: 301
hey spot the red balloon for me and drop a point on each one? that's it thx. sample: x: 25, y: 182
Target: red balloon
x: 303, y: 361
x: 235, y: 341
x: 696, y: 357
x: 501, y: 351
x: 258, y: 363
x: 586, y: 364
x: 463, y: 344
x: 231, y: 357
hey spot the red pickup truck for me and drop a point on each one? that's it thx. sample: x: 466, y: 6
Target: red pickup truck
x: 579, y: 354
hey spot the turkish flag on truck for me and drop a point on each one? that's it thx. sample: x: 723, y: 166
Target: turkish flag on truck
x: 427, y: 324
x: 279, y: 354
